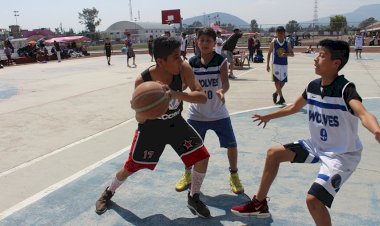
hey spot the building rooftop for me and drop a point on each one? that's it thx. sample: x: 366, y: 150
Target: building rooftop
x: 127, y: 25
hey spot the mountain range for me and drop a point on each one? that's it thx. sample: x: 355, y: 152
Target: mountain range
x: 224, y: 18
x: 353, y: 18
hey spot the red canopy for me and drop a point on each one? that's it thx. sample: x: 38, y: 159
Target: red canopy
x: 68, y: 39
x: 216, y: 28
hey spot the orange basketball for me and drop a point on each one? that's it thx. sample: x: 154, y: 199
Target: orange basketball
x: 150, y: 100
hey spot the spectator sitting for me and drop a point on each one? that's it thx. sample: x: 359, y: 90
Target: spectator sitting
x: 309, y: 50
x: 83, y: 50
x: 259, y: 58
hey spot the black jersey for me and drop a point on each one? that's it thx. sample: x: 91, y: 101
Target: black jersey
x: 107, y: 47
x: 175, y: 105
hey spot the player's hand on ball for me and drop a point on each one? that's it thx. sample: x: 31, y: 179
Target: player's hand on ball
x: 169, y: 92
x: 139, y: 118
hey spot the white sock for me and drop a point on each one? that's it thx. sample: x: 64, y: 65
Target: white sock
x: 115, y: 185
x: 196, y: 182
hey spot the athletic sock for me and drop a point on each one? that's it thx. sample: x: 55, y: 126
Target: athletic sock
x: 196, y: 182
x: 115, y: 185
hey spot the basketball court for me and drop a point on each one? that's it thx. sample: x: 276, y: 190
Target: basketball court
x: 66, y: 130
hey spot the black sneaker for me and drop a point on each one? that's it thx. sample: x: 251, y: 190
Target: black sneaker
x: 197, y: 207
x: 231, y: 76
x: 103, y: 202
x: 274, y: 95
x: 281, y: 101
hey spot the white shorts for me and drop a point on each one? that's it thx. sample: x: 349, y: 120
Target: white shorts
x: 358, y: 46
x: 334, y: 171
x: 280, y: 73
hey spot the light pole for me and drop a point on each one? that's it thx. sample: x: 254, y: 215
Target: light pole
x: 16, y: 15
x: 135, y: 29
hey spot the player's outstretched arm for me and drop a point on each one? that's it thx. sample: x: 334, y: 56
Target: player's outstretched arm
x: 368, y: 120
x: 288, y: 110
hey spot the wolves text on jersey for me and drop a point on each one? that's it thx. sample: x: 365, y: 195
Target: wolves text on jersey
x: 326, y: 120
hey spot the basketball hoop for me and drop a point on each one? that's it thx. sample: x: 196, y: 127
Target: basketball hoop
x: 171, y: 16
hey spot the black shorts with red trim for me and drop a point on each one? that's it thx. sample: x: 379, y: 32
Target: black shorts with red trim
x: 152, y: 137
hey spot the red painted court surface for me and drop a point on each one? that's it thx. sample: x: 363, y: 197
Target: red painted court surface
x: 149, y: 198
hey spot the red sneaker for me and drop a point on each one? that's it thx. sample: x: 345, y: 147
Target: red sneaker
x: 254, y: 208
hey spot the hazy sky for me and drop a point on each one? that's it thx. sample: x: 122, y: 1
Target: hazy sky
x: 50, y: 13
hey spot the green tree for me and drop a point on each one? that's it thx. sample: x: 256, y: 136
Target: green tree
x: 367, y: 22
x: 197, y: 24
x: 228, y: 27
x: 89, y: 17
x: 272, y: 29
x: 70, y: 32
x: 254, y: 26
x: 292, y: 26
x: 191, y: 28
x: 337, y: 23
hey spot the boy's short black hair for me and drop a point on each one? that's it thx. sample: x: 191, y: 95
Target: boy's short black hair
x: 164, y: 46
x: 236, y: 30
x: 339, y: 50
x: 280, y: 29
x: 207, y: 31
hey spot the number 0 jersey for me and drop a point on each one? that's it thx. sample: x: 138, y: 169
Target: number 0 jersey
x: 209, y: 78
x: 332, y: 123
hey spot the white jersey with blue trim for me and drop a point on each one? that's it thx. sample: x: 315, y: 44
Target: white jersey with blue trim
x: 358, y: 41
x: 333, y: 128
x: 209, y: 78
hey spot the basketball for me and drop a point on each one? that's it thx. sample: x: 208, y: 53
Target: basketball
x: 150, y: 100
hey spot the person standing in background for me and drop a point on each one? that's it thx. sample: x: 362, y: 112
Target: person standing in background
x: 150, y: 47
x: 251, y: 48
x: 219, y: 42
x: 57, y: 51
x: 227, y: 50
x: 359, y: 39
x: 131, y: 52
x: 108, y: 50
x: 279, y: 49
x: 183, y: 45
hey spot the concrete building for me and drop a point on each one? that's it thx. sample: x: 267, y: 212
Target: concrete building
x: 375, y: 27
x: 4, y: 34
x: 140, y: 30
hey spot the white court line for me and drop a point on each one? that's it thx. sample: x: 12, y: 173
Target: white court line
x: 75, y: 176
x: 58, y: 185
x: 278, y: 106
x: 33, y: 161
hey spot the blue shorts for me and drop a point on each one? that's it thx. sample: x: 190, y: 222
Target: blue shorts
x: 222, y: 128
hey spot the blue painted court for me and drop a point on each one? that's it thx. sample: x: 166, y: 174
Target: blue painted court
x: 149, y: 198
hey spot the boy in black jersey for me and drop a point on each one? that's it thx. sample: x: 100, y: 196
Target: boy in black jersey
x: 334, y: 107
x: 148, y: 144
x: 108, y: 50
